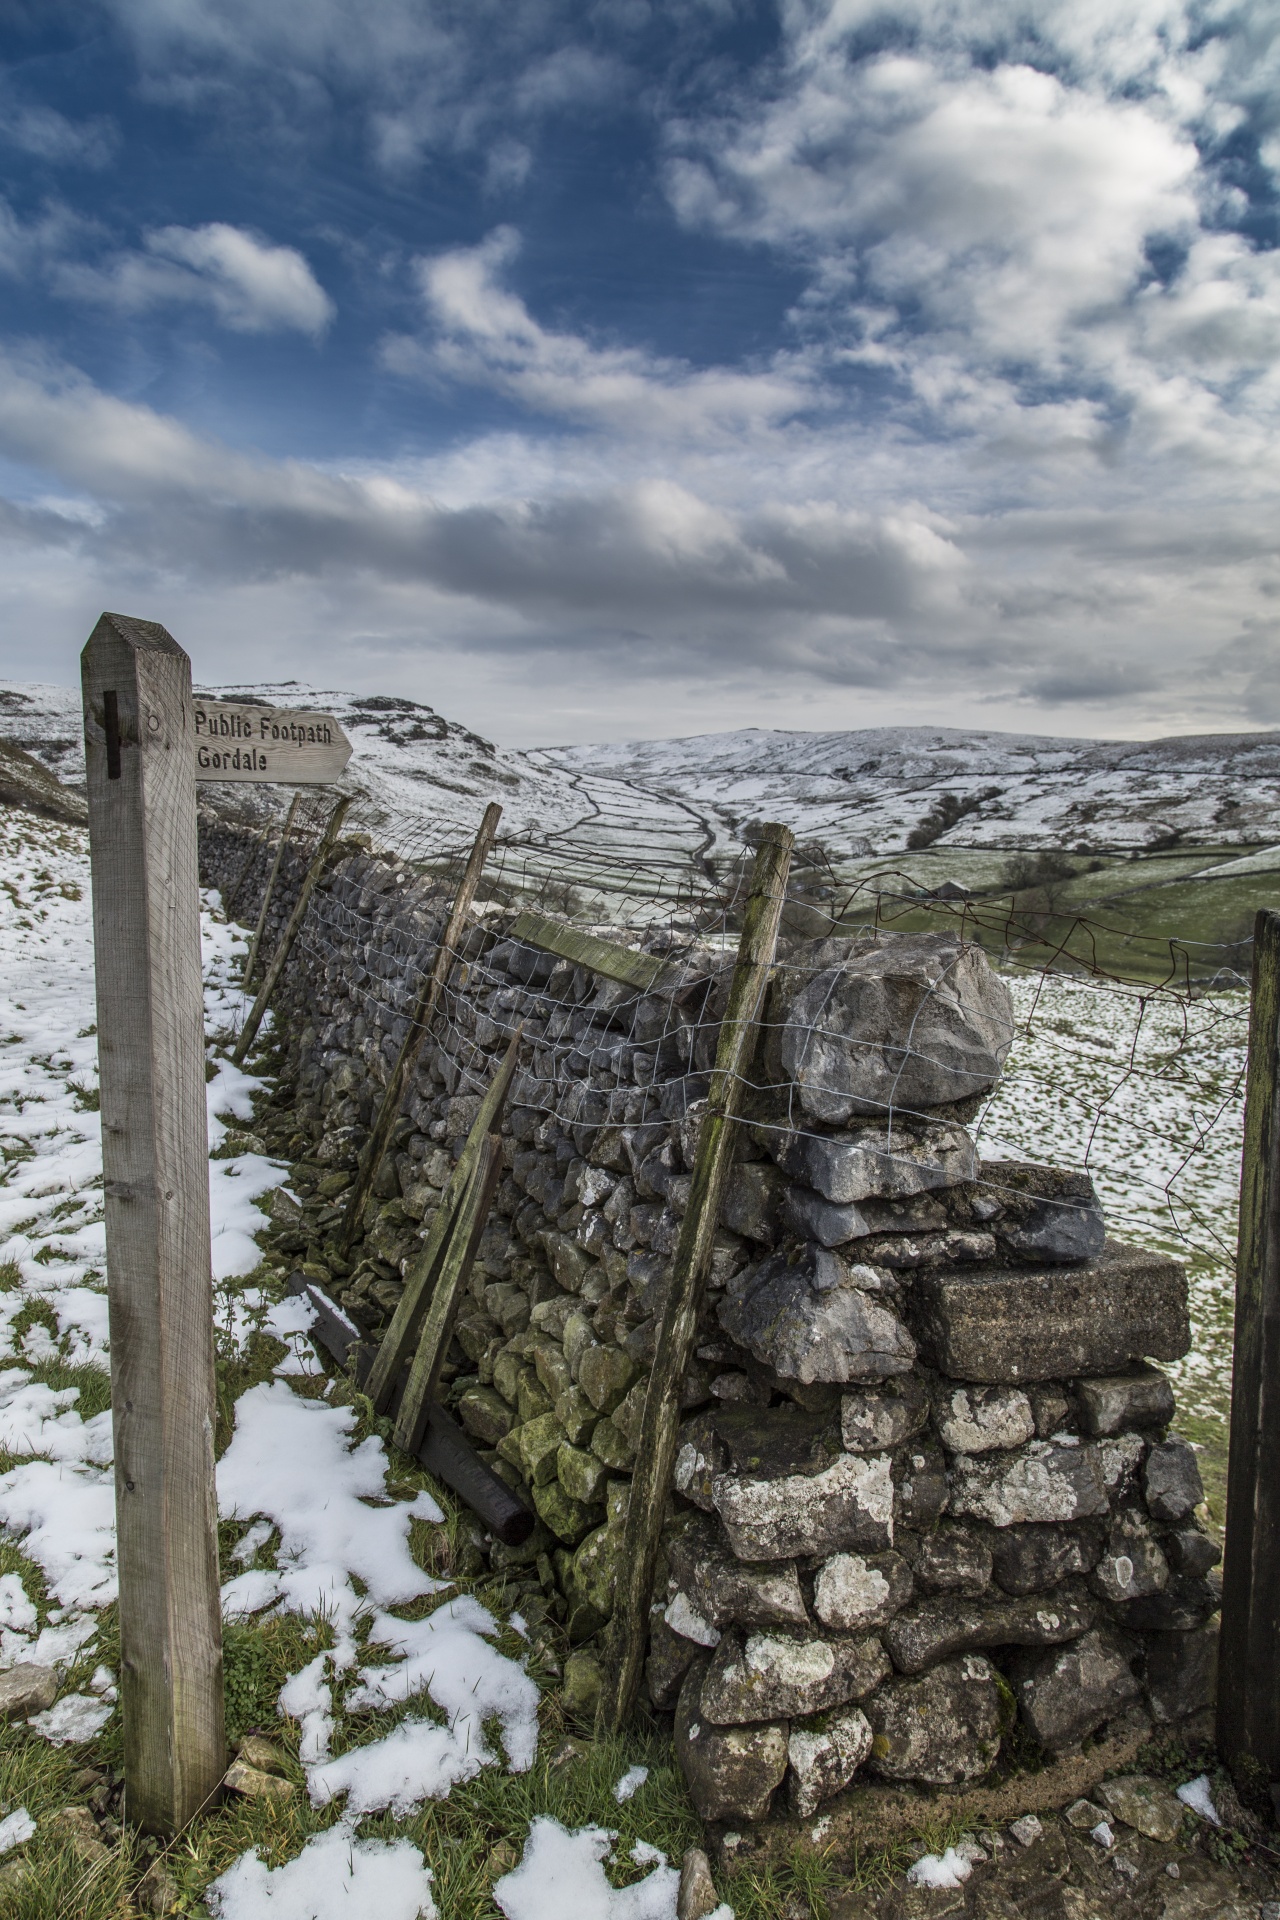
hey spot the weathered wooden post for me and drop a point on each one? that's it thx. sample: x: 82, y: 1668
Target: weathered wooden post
x: 268, y: 895
x: 311, y: 880
x: 141, y: 768
x: 656, y: 1453
x: 393, y: 1095
x: 1249, y: 1644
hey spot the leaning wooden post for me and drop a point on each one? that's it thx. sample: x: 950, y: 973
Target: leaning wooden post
x: 442, y: 1311
x: 376, y: 1145
x: 140, y: 757
x: 269, y: 893
x: 319, y: 861
x: 1249, y: 1643
x: 656, y: 1453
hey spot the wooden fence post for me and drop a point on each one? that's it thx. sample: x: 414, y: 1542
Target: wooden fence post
x: 1249, y: 1645
x: 319, y: 860
x: 379, y: 1139
x: 656, y: 1453
x: 140, y: 755
x: 406, y: 1321
x: 269, y: 894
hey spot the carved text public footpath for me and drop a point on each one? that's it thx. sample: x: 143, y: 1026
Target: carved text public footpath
x: 243, y: 742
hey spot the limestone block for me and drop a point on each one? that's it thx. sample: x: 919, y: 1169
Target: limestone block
x: 1067, y: 1694
x: 604, y: 1375
x: 1030, y: 1559
x: 773, y: 1674
x: 752, y: 1204
x: 850, y: 1504
x: 1145, y: 1804
x: 877, y: 1419
x: 539, y: 1441
x: 582, y: 1475
x: 1039, y: 1482
x: 1052, y: 1323
x: 940, y: 1728
x: 1045, y: 1213
x: 731, y: 1772
x: 1171, y: 1481
x: 724, y: 1590
x: 576, y: 1415
x: 569, y: 1519
x: 1181, y: 1673
x: 941, y: 1626
x: 25, y: 1689
x: 485, y: 1414
x: 855, y: 1592
x: 906, y: 1021
x: 670, y: 1656
x: 808, y: 1214
x: 824, y: 1755
x: 922, y: 1491
x: 874, y: 1163
x: 1141, y: 1397
x: 951, y: 1559
x: 981, y: 1419
x: 1190, y: 1550
x: 807, y: 1317
x: 1131, y: 1564
x: 696, y: 1898
x: 611, y: 1445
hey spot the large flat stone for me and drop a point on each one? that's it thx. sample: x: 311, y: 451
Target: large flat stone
x: 1050, y: 1323
x: 806, y: 1316
x: 940, y: 1627
x: 731, y: 1772
x: 850, y: 1504
x: 1040, y: 1482
x: 876, y: 1163
x: 777, y: 1675
x: 939, y: 1727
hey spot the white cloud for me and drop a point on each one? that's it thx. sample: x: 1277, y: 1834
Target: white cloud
x: 49, y: 135
x: 251, y: 285
x: 485, y: 334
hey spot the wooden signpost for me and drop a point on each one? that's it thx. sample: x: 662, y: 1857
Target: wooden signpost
x: 147, y: 743
x: 235, y: 740
x: 140, y: 753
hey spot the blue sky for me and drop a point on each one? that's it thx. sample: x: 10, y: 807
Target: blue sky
x: 597, y: 370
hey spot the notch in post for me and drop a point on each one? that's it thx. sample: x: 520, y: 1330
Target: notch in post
x: 111, y: 727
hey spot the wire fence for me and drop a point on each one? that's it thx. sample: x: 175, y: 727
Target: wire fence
x: 1123, y: 1059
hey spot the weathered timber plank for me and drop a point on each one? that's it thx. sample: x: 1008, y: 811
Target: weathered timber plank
x: 656, y: 1453
x: 256, y: 942
x: 585, y: 950
x: 319, y: 860
x: 442, y: 1310
x: 1249, y: 1647
x: 446, y: 1451
x: 376, y: 1145
x: 401, y: 1336
x: 140, y: 768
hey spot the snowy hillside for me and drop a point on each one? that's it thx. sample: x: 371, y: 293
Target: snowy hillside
x: 861, y: 795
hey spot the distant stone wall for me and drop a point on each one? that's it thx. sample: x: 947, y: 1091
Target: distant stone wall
x: 925, y: 1486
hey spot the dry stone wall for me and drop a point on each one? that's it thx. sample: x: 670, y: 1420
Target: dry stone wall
x: 926, y: 1489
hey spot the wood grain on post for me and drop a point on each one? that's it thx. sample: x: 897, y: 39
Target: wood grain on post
x: 442, y: 1310
x: 656, y: 1452
x: 1249, y: 1643
x: 155, y: 1161
x: 269, y: 893
x: 401, y: 1336
x: 376, y: 1145
x: 319, y: 861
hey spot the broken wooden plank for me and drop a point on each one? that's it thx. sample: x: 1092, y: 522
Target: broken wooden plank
x: 606, y: 957
x: 445, y: 1450
x: 402, y: 1335
x: 380, y: 1137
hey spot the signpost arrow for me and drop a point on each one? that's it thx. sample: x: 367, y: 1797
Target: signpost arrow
x: 236, y: 740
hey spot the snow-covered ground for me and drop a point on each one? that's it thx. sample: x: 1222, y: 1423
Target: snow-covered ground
x: 323, y: 1534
